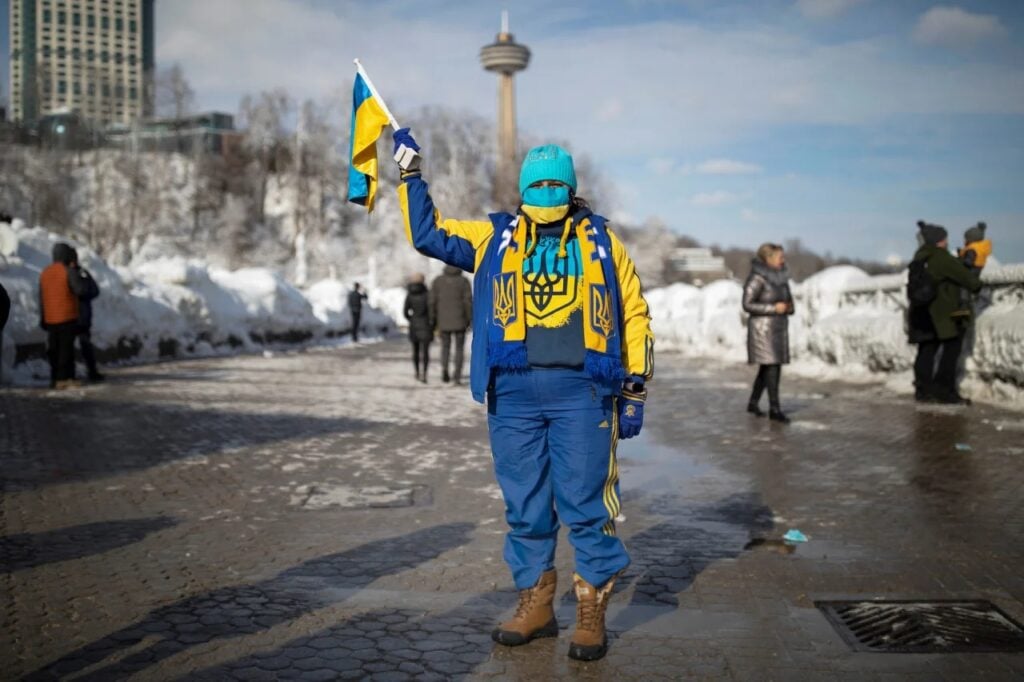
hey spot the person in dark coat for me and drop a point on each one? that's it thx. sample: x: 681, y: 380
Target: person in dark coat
x: 5, y: 313
x: 355, y: 308
x: 451, y: 305
x: 939, y: 334
x: 60, y: 286
x: 91, y: 291
x: 767, y: 299
x: 421, y: 325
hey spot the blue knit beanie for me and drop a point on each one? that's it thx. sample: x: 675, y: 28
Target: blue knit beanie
x: 547, y: 162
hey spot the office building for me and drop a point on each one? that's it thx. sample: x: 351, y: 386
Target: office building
x: 92, y: 57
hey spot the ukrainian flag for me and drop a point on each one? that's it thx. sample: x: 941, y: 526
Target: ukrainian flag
x: 368, y: 122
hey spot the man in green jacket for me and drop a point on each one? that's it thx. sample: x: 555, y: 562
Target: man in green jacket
x: 949, y: 319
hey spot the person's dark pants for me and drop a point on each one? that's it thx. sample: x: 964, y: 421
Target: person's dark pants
x: 931, y: 380
x: 61, y: 351
x: 88, y: 352
x: 356, y: 314
x: 768, y: 376
x: 446, y: 347
x: 421, y: 358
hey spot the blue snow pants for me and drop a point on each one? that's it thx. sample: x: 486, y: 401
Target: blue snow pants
x: 553, y: 436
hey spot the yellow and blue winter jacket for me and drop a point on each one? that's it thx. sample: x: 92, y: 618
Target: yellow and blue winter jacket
x: 617, y: 329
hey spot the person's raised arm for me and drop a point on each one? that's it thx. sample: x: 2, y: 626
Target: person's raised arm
x: 454, y: 242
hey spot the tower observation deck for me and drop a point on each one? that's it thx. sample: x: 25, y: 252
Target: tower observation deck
x: 505, y: 57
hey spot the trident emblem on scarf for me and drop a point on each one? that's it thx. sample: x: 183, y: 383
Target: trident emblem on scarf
x: 601, y: 310
x: 504, y: 299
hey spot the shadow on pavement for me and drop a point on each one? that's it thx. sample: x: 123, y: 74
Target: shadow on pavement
x: 447, y: 645
x: 668, y: 557
x: 28, y: 550
x: 231, y: 612
x: 56, y: 440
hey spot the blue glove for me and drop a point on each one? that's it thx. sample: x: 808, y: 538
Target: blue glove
x: 406, y: 151
x: 631, y: 412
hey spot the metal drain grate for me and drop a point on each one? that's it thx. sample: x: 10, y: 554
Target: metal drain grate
x: 924, y: 627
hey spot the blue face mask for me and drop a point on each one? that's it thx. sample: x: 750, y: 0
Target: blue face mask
x: 546, y: 197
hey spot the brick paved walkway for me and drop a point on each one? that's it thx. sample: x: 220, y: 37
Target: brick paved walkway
x: 322, y: 516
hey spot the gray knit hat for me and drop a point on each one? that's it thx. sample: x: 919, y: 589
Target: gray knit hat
x: 975, y: 234
x: 932, y: 234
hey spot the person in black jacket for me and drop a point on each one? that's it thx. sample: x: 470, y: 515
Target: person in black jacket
x: 5, y: 312
x: 355, y: 308
x: 421, y: 325
x: 89, y: 291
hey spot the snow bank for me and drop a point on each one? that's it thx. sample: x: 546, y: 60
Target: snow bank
x: 167, y: 307
x: 851, y: 325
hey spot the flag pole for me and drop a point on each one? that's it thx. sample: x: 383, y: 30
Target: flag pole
x: 376, y: 95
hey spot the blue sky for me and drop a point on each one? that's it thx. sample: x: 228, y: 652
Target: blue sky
x: 841, y: 122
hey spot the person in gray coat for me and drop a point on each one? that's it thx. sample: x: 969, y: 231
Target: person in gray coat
x: 767, y: 299
x: 451, y: 306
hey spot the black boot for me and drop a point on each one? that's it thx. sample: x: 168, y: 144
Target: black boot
x: 753, y: 409
x: 776, y: 415
x: 444, y: 376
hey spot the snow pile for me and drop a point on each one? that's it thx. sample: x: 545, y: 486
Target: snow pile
x: 329, y: 298
x: 851, y: 325
x: 168, y: 307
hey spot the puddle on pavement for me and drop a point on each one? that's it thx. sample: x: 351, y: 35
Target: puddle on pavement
x: 650, y: 467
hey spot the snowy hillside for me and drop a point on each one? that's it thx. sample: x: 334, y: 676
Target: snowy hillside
x: 169, y: 307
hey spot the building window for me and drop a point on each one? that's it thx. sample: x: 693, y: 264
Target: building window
x: 62, y: 17
x: 119, y: 92
x: 131, y: 59
x: 133, y: 93
x: 46, y: 51
x: 47, y: 16
x: 106, y: 89
x: 62, y: 87
x: 76, y: 19
x: 118, y: 58
x: 90, y: 21
x: 105, y: 23
x: 77, y: 88
x: 104, y: 56
x: 119, y: 24
x: 90, y: 54
x: 133, y: 26
x: 92, y: 88
x: 61, y: 53
x: 76, y: 53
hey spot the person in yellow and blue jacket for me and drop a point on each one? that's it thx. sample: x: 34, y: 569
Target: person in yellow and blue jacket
x: 562, y: 350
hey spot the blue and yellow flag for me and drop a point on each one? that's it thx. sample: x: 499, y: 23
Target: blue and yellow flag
x: 368, y: 122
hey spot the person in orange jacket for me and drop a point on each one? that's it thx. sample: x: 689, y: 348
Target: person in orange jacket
x: 60, y: 286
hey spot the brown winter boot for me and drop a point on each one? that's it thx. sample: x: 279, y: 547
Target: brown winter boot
x: 590, y: 642
x: 535, y: 615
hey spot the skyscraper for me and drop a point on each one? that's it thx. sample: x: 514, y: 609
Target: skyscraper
x: 91, y: 56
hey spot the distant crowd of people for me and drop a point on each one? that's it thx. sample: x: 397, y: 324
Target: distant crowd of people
x: 940, y: 309
x: 446, y: 308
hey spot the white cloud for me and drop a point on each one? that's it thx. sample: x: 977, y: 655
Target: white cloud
x: 748, y: 215
x: 727, y: 167
x: 824, y: 9
x: 711, y: 199
x: 956, y: 28
x: 661, y: 165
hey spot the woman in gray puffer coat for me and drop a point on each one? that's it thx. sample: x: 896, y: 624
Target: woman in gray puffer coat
x: 766, y: 298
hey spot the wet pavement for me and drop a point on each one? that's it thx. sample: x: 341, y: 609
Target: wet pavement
x: 320, y: 516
